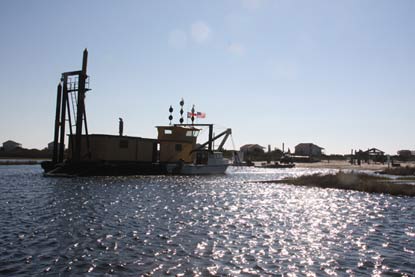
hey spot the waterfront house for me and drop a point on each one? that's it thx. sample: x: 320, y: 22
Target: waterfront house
x: 308, y: 149
x: 252, y: 152
x: 11, y: 145
x: 376, y: 155
x: 252, y: 148
x: 406, y: 154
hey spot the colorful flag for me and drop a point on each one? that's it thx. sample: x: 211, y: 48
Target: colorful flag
x: 200, y: 115
x: 196, y: 115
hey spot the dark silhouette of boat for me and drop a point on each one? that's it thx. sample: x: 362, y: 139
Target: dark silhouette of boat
x: 275, y: 165
x: 174, y: 151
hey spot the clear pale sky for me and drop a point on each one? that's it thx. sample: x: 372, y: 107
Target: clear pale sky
x: 340, y: 74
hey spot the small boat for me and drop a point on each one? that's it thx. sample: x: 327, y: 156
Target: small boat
x: 191, y: 159
x: 206, y: 163
x: 276, y: 165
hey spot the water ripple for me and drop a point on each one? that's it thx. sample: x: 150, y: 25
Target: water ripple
x: 215, y: 225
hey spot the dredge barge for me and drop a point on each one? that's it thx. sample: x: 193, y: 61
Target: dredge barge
x: 175, y: 151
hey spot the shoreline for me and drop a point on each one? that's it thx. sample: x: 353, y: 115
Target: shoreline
x: 352, y: 181
x: 345, y: 165
x: 21, y: 161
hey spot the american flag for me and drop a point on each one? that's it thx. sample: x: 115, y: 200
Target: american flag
x: 196, y: 115
x: 200, y: 115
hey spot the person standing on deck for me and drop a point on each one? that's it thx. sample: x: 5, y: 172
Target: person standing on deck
x: 121, y: 127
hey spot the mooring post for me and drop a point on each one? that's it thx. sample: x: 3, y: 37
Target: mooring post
x: 80, y: 108
x: 63, y: 119
x: 210, y: 137
x: 57, y: 124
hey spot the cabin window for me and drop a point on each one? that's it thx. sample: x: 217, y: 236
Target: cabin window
x: 168, y: 132
x: 123, y: 143
x: 178, y: 147
x: 192, y: 133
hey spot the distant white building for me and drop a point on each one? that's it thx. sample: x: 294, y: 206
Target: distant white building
x: 308, y: 149
x: 11, y: 145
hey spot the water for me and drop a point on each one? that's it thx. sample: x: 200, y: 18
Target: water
x: 226, y: 225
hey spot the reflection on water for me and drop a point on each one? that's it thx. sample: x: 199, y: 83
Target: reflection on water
x: 218, y: 225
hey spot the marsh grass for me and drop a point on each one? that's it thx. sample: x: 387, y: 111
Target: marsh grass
x: 351, y: 181
x: 400, y: 171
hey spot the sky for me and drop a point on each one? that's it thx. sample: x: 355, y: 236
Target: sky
x: 340, y: 74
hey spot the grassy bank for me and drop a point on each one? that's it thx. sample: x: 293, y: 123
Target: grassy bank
x: 352, y: 181
x: 400, y: 171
